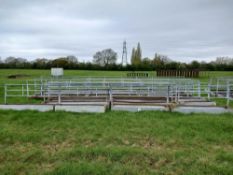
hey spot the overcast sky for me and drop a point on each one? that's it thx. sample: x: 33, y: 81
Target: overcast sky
x: 184, y: 30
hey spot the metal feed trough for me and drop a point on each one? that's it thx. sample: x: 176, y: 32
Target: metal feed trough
x: 222, y: 84
x: 221, y: 87
x: 126, y: 91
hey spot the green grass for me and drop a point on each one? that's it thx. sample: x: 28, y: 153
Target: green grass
x: 205, y: 76
x: 115, y: 143
x: 4, y: 73
x: 35, y: 74
x: 222, y: 102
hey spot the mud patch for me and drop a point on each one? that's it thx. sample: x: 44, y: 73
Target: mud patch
x: 18, y: 76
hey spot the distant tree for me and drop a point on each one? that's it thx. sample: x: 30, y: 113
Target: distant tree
x: 72, y: 59
x: 146, y: 64
x: 60, y: 62
x: 1, y: 63
x: 13, y: 62
x: 173, y: 65
x: 136, y: 57
x: 105, y: 57
x: 139, y: 53
x: 195, y: 65
x: 157, y: 61
x: 182, y: 66
x: 41, y: 63
x: 10, y: 60
x: 146, y: 61
x: 165, y: 59
x: 224, y: 60
x: 133, y: 56
x: 160, y: 61
x: 106, y: 60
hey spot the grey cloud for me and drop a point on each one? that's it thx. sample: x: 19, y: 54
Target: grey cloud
x: 181, y: 29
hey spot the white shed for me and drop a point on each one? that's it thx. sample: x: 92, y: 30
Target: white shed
x: 57, y: 72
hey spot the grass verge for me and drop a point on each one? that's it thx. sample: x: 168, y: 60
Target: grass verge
x: 115, y: 143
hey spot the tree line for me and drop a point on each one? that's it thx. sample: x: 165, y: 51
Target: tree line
x: 107, y: 60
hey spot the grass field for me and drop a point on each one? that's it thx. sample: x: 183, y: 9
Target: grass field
x: 35, y: 74
x: 4, y: 73
x: 115, y: 143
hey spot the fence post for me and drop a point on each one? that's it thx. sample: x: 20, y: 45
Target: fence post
x: 35, y: 87
x: 110, y: 96
x: 208, y: 92
x: 168, y: 93
x: 59, y: 94
x: 43, y: 91
x: 199, y: 89
x: 228, y: 94
x: 217, y: 88
x: 22, y: 90
x: 153, y: 91
x: 176, y: 96
x: 5, y: 94
x: 27, y: 90
x: 59, y: 98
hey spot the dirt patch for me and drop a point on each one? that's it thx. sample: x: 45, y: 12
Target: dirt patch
x: 17, y: 76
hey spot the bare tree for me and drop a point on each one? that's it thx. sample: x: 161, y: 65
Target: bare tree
x: 72, y: 59
x: 41, y: 62
x: 105, y: 57
x: 161, y: 59
x: 224, y: 60
x: 16, y: 62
